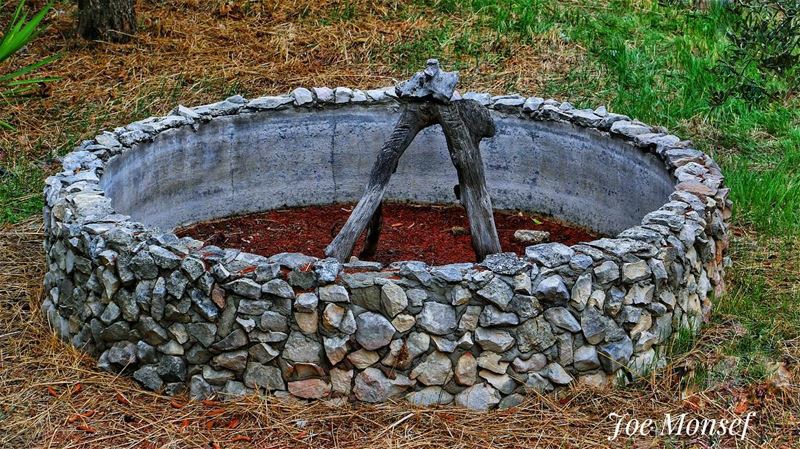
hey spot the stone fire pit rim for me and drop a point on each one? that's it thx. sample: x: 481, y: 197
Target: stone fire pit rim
x: 76, y: 207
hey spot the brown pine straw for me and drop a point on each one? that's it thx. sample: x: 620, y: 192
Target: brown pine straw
x: 52, y: 396
x: 190, y: 52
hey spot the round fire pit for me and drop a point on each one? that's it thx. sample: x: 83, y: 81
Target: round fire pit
x: 181, y: 315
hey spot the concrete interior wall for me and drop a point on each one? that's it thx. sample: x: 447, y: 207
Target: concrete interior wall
x: 252, y: 162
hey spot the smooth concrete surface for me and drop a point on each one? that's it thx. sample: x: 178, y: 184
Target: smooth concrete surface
x: 258, y: 161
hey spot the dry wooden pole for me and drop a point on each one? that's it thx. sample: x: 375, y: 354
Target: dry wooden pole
x: 412, y: 121
x: 465, y: 123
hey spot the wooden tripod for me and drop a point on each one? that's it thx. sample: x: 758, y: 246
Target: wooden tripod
x: 465, y: 123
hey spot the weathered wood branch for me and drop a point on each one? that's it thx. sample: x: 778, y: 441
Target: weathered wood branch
x: 465, y: 123
x: 412, y: 120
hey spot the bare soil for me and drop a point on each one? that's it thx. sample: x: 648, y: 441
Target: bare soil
x: 436, y: 234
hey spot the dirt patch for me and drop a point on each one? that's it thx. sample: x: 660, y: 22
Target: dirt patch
x: 435, y: 234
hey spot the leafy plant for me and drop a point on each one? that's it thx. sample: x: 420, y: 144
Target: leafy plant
x: 19, y: 33
x: 765, y: 38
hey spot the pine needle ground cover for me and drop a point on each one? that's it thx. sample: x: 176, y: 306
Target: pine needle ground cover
x: 668, y: 64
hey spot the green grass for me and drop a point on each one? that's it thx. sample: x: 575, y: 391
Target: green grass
x: 659, y: 64
x: 20, y: 193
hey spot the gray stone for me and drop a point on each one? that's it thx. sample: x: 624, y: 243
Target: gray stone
x: 371, y: 385
x: 262, y: 352
x: 430, y: 396
x: 552, y: 289
x: 494, y: 339
x: 261, y: 376
x: 585, y: 358
x: 122, y: 353
x: 171, y: 347
x: 279, y: 288
x: 492, y: 361
x: 616, y: 354
x: 606, y: 272
x: 333, y: 293
x: 437, y: 318
x: 248, y: 324
x: 459, y: 295
x: 557, y: 374
x: 245, y: 287
x: 531, y: 237
x: 645, y: 341
x: 327, y: 270
x: 335, y: 348
x: 373, y: 330
x: 403, y: 352
x: 143, y: 265
x: 110, y: 314
x: 505, y: 263
x: 522, y: 284
x: 469, y: 320
x: 234, y: 340
x: 491, y: 316
x: 444, y: 344
x: 234, y: 360
x: 549, y: 255
x: 234, y: 389
x: 614, y: 301
x: 581, y: 291
x: 436, y: 369
x: 199, y: 389
x: 172, y: 368
x: 215, y: 377
x: 478, y: 397
x: 164, y: 258
x: 538, y: 383
x: 393, y: 299
x: 176, y: 284
x: 562, y: 319
x: 204, y: 305
x: 466, y: 370
x: 202, y: 332
x: 451, y: 273
x: 194, y: 268
x: 502, y: 382
x: 145, y: 352
x: 273, y: 322
x: 525, y: 307
x: 593, y: 325
x: 535, y: 335
x: 497, y: 292
x: 148, y: 376
x: 306, y: 302
x: 302, y: 96
x: 302, y: 349
x: 635, y: 271
x: 253, y: 306
x: 536, y: 362
x: 151, y: 331
x: 639, y: 294
x: 292, y: 260
x: 511, y: 401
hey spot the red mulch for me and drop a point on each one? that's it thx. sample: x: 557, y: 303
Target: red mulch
x: 410, y: 232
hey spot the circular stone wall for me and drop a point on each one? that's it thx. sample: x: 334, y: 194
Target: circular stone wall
x: 180, y: 315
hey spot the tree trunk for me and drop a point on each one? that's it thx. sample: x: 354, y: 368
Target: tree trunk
x: 109, y: 20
